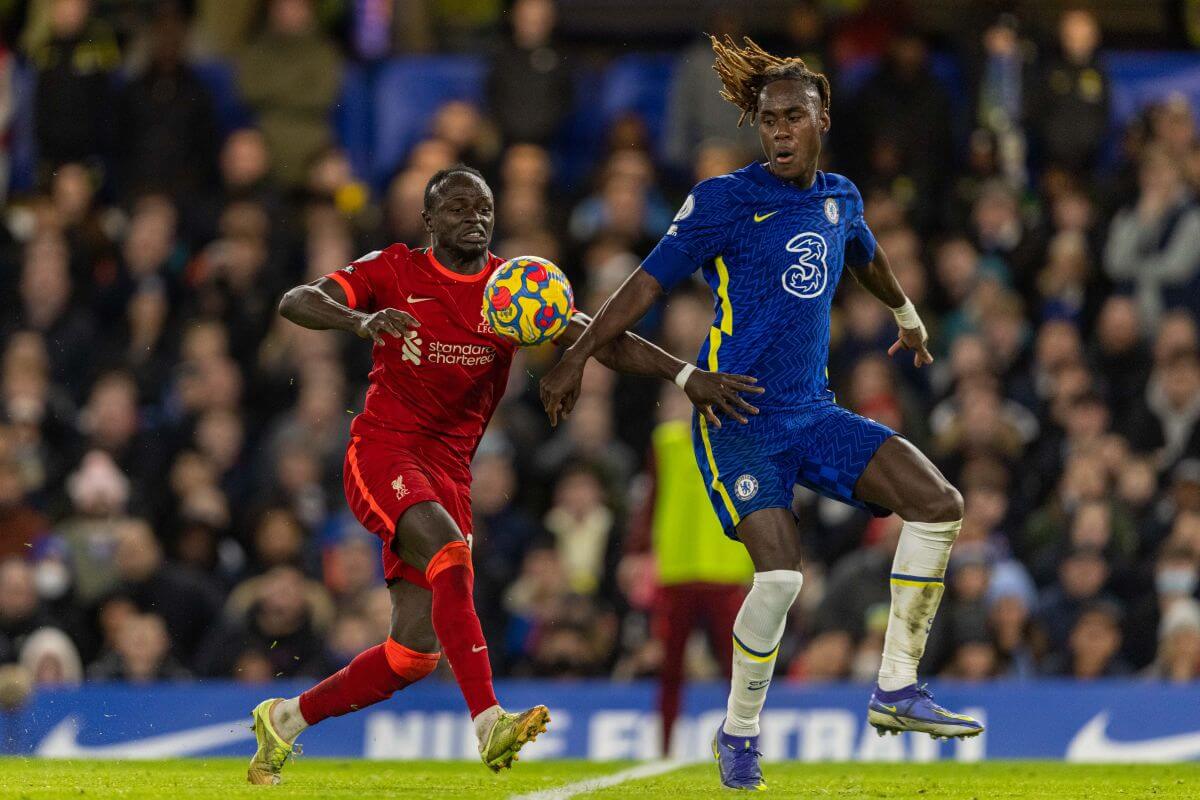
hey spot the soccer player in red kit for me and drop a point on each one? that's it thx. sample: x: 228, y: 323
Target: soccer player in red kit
x: 439, y: 372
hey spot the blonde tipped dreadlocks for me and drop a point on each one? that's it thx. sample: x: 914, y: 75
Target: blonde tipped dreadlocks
x: 746, y: 70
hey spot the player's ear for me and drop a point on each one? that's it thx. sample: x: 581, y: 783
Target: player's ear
x: 824, y: 121
x: 428, y: 220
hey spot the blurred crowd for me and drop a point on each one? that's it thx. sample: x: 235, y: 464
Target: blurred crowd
x: 171, y: 450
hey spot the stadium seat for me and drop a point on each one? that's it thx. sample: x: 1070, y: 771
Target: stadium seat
x: 639, y: 84
x: 221, y: 81
x: 407, y: 92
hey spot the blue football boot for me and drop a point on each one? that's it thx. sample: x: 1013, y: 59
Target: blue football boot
x: 737, y: 759
x: 912, y: 709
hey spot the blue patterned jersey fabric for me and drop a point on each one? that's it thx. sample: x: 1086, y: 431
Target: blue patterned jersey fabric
x: 773, y: 254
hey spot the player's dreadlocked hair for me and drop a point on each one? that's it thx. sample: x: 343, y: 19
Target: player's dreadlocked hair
x: 443, y: 174
x: 746, y: 70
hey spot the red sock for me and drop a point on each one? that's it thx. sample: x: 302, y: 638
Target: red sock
x: 372, y: 676
x: 457, y: 626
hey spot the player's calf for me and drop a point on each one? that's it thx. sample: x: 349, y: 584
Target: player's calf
x: 374, y: 675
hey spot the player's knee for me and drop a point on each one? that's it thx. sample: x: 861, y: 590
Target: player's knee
x: 946, y: 505
x: 409, y: 665
x: 779, y: 587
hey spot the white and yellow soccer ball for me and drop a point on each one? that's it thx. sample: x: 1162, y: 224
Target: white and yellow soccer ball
x: 528, y: 300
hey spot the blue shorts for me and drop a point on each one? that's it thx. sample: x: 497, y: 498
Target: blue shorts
x: 754, y: 466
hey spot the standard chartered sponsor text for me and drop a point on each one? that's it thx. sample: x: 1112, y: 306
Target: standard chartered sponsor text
x: 467, y: 355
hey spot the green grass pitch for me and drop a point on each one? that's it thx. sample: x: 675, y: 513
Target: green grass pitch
x: 224, y: 779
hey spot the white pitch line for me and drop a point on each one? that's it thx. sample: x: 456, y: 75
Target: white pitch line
x: 641, y: 771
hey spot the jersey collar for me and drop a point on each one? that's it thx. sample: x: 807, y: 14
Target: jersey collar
x: 458, y: 276
x: 759, y: 173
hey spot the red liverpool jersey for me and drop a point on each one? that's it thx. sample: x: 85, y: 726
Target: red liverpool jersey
x: 446, y: 381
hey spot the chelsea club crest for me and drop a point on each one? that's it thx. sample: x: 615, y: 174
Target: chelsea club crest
x: 745, y: 487
x: 831, y: 210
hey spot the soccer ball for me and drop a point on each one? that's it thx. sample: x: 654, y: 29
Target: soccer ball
x: 528, y: 300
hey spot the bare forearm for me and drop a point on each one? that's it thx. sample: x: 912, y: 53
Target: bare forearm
x: 310, y: 307
x: 633, y: 355
x: 627, y: 305
x: 878, y: 279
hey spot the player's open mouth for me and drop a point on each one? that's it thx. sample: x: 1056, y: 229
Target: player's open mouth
x: 784, y: 157
x: 476, y: 235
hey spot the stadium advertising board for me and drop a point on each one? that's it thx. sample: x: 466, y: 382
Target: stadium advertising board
x: 1104, y: 721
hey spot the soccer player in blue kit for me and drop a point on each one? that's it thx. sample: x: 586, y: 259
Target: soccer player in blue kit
x: 771, y: 240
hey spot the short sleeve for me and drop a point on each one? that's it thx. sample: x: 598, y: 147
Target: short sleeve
x: 696, y: 236
x: 362, y: 279
x: 860, y: 242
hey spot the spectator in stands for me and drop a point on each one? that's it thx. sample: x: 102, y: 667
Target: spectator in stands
x: 1154, y: 245
x: 185, y: 600
x: 50, y: 658
x: 45, y: 289
x: 1176, y: 572
x: 245, y: 165
x: 79, y: 217
x: 899, y: 117
x: 142, y: 654
x: 1003, y: 82
x: 1070, y: 112
x: 289, y: 75
x: 825, y: 658
x: 1009, y: 621
x: 504, y: 533
x: 22, y: 525
x: 278, y: 540
x: 1082, y: 576
x: 1178, y: 658
x: 21, y: 611
x: 1119, y: 355
x: 351, y: 567
x: 278, y: 615
x: 109, y: 423
x: 696, y: 113
x: 1169, y: 418
x: 584, y: 529
x: 532, y: 598
x: 73, y: 109
x: 1003, y: 237
x: 529, y: 86
x: 858, y: 583
x: 1093, y: 649
x: 168, y: 132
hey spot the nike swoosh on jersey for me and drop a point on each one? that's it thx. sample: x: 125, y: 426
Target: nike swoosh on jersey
x: 760, y: 217
x: 412, y: 301
x: 478, y: 649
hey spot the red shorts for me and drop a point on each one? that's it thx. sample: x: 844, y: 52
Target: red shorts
x: 385, y: 476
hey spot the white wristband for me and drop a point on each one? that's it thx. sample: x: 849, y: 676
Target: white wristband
x: 685, y: 373
x: 907, y: 316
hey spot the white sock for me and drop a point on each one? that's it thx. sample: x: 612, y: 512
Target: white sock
x: 484, y: 722
x: 918, y: 574
x: 287, y: 720
x: 756, y: 634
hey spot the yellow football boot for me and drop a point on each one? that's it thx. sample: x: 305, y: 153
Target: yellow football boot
x: 273, y: 752
x: 509, y: 734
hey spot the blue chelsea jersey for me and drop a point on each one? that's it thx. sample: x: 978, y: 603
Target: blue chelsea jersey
x: 773, y: 254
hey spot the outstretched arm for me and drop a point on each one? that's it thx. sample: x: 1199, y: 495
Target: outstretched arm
x: 321, y: 306
x: 876, y: 277
x: 606, y: 337
x: 633, y: 355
